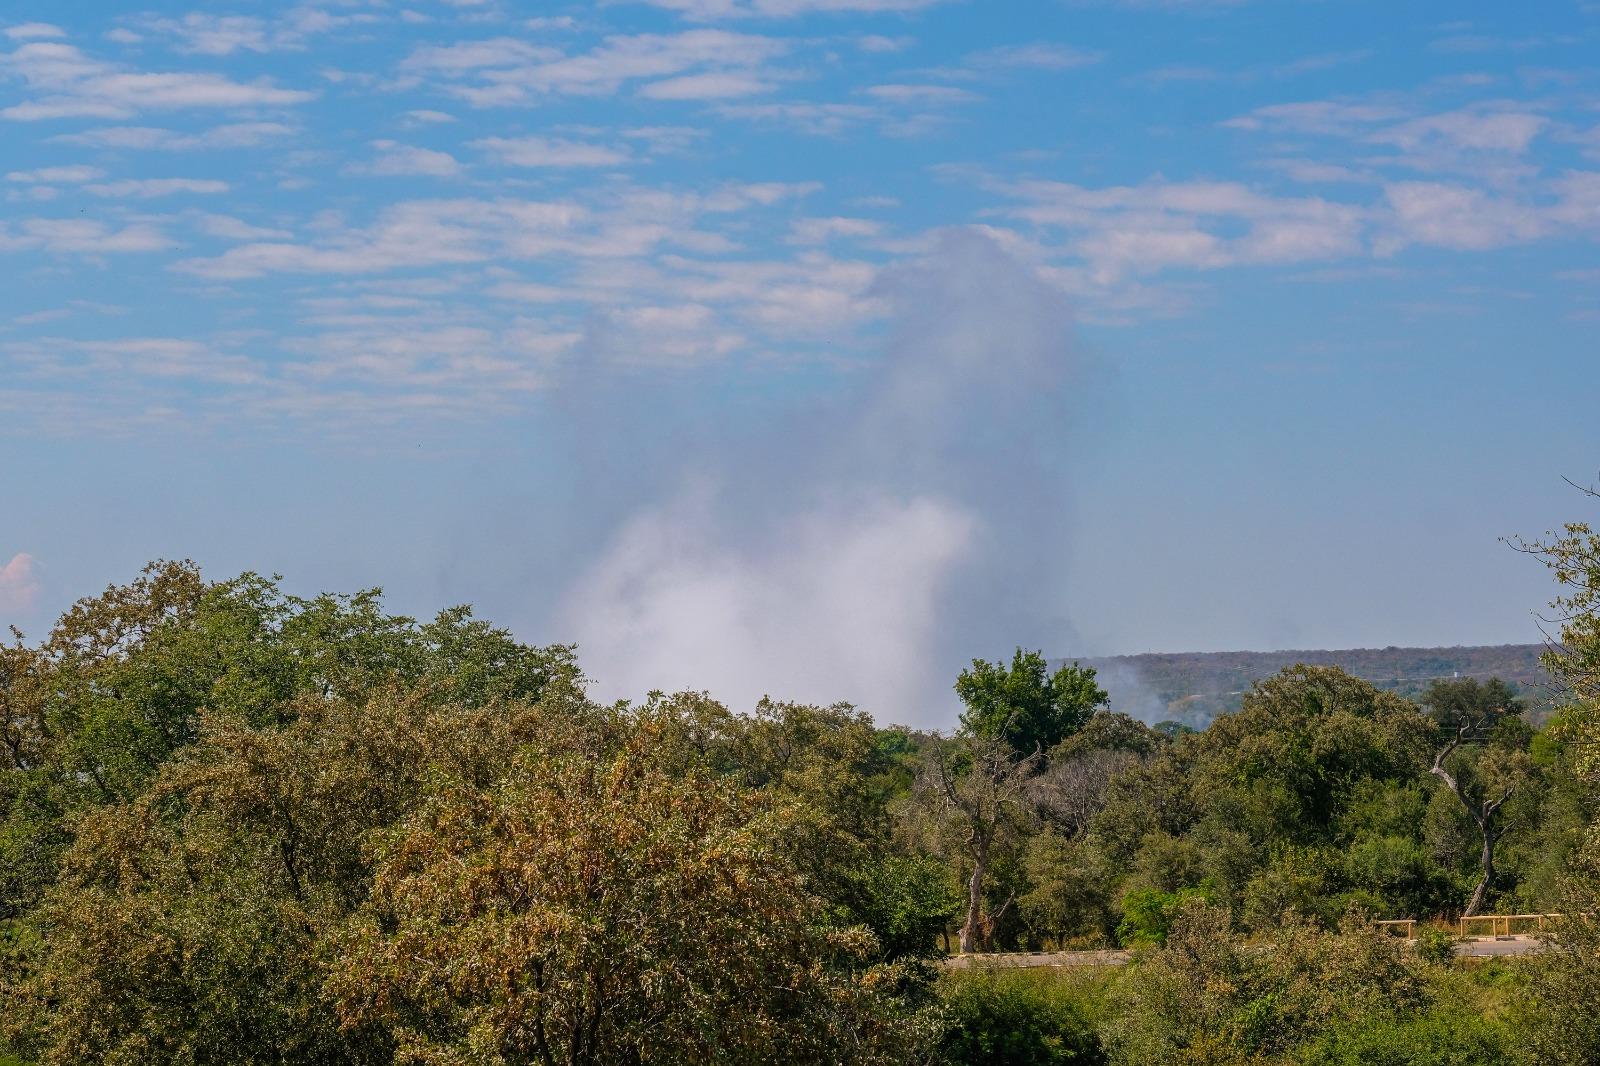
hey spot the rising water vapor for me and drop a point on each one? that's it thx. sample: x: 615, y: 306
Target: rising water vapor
x: 917, y: 525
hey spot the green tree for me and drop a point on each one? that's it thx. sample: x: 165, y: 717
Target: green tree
x: 1565, y: 982
x: 973, y: 800
x: 1573, y: 558
x: 841, y: 779
x: 120, y: 684
x: 1071, y: 886
x: 1025, y: 705
x: 598, y: 906
x: 1482, y: 759
x: 191, y: 923
x: 1292, y: 759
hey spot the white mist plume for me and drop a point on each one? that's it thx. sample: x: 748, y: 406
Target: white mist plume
x: 1130, y: 693
x: 838, y: 603
x: 865, y: 553
x: 19, y: 586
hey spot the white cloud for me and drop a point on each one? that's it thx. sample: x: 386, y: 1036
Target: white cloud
x: 921, y: 94
x: 150, y: 188
x: 233, y: 229
x: 427, y: 360
x: 1313, y: 173
x: 822, y: 230
x: 1479, y: 129
x: 80, y: 236
x: 462, y: 57
x: 694, y: 64
x: 396, y: 160
x: 215, y: 35
x: 1330, y: 117
x: 820, y: 119
x: 419, y: 233
x: 19, y: 584
x: 662, y: 335
x: 812, y: 296
x: 33, y: 31
x: 1459, y: 139
x: 151, y: 138
x: 713, y: 10
x: 878, y: 44
x: 1039, y: 55
x: 666, y: 140
x: 721, y: 85
x: 1129, y: 230
x: 66, y: 83
x: 416, y: 233
x: 67, y: 175
x: 1449, y: 216
x: 204, y: 33
x: 135, y: 357
x: 547, y: 152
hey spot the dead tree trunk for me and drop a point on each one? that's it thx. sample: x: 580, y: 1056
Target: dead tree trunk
x: 971, y: 931
x: 1482, y: 811
x: 977, y: 788
x: 1480, y: 893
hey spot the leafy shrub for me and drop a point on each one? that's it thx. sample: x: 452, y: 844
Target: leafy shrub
x: 1020, y: 1018
x: 1436, y: 946
x: 1147, y: 915
x: 907, y: 901
x: 1210, y: 997
x: 1558, y: 1017
x: 1449, y: 1037
x: 1400, y: 875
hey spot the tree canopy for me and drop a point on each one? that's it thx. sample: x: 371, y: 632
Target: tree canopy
x: 1025, y: 705
x: 242, y: 826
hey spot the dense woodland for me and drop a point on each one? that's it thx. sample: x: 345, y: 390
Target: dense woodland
x: 238, y: 826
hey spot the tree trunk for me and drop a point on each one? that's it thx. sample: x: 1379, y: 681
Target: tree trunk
x: 971, y: 929
x: 1480, y: 894
x: 1482, y: 813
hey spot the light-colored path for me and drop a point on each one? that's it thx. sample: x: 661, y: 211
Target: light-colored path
x: 1038, y: 958
x: 1484, y: 947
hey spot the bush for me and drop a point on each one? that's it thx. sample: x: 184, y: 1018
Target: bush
x: 1210, y: 997
x: 1020, y: 1017
x: 1147, y: 915
x: 1558, y: 1017
x: 1437, y: 1038
x: 1436, y: 946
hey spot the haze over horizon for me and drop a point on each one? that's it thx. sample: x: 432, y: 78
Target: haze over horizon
x: 809, y: 347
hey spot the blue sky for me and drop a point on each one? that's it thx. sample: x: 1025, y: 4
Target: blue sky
x: 808, y: 346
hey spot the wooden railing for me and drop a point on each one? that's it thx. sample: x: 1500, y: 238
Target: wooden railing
x: 1480, y: 925
x: 1500, y: 924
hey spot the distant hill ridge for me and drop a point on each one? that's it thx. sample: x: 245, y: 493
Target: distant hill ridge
x: 1195, y: 687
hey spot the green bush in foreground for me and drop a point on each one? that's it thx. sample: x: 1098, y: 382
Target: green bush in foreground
x: 1021, y: 1018
x: 1558, y: 1021
x: 1447, y: 1036
x: 1147, y: 915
